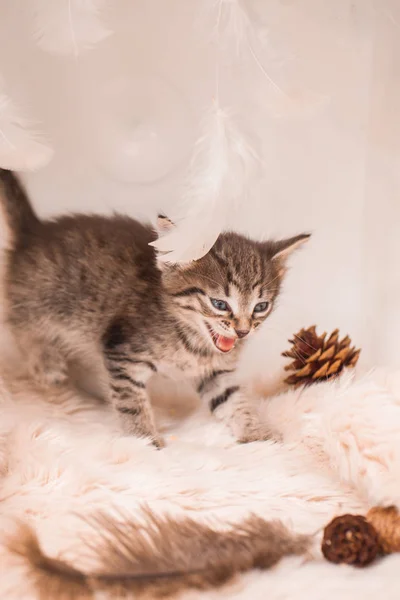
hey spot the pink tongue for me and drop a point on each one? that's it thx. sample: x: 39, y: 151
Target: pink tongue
x: 224, y: 343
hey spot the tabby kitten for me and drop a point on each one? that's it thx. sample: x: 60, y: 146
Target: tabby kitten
x: 90, y: 285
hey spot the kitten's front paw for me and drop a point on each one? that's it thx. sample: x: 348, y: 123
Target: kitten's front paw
x: 250, y: 429
x: 139, y: 427
x: 244, y: 419
x: 255, y: 434
x: 158, y: 442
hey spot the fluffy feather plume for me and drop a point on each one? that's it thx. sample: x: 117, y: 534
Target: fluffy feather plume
x: 21, y: 147
x: 220, y: 169
x: 162, y: 556
x: 68, y: 26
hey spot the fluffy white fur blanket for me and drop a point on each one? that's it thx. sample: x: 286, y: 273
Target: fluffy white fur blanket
x: 337, y: 449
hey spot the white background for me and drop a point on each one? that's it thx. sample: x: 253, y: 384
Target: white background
x: 330, y: 140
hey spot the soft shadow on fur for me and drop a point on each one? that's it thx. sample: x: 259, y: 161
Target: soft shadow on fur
x: 160, y: 557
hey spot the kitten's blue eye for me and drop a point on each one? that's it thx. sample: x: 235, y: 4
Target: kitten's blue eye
x: 261, y: 307
x: 220, y: 304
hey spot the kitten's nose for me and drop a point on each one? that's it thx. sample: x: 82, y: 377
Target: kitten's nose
x: 241, y: 333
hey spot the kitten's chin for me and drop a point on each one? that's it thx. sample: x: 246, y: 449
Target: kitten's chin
x: 221, y: 342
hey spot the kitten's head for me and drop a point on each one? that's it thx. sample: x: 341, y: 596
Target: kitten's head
x: 229, y: 292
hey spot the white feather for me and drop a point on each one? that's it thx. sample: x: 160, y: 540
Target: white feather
x: 234, y: 26
x: 233, y: 22
x: 21, y: 147
x: 235, y: 29
x: 68, y: 27
x: 220, y: 169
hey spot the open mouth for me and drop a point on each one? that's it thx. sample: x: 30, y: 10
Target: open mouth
x: 223, y: 343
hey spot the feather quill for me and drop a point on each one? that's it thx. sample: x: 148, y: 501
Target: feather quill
x: 22, y: 148
x: 233, y: 22
x: 68, y: 27
x: 222, y: 163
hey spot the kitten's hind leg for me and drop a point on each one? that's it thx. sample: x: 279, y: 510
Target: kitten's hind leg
x: 49, y: 367
x: 128, y: 378
x: 46, y: 362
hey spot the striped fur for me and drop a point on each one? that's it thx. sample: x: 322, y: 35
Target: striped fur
x: 89, y: 286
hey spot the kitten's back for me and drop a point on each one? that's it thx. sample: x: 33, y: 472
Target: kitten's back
x: 75, y: 266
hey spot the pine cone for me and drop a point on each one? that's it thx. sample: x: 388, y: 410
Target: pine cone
x: 350, y: 539
x: 317, y: 358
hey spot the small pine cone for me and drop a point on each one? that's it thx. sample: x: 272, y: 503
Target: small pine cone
x: 386, y: 521
x: 318, y: 358
x: 350, y: 539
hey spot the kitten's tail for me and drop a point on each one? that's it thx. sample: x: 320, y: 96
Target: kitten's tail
x: 19, y: 216
x: 162, y: 555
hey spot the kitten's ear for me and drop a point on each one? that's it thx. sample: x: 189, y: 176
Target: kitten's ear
x: 282, y: 249
x: 164, y: 225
